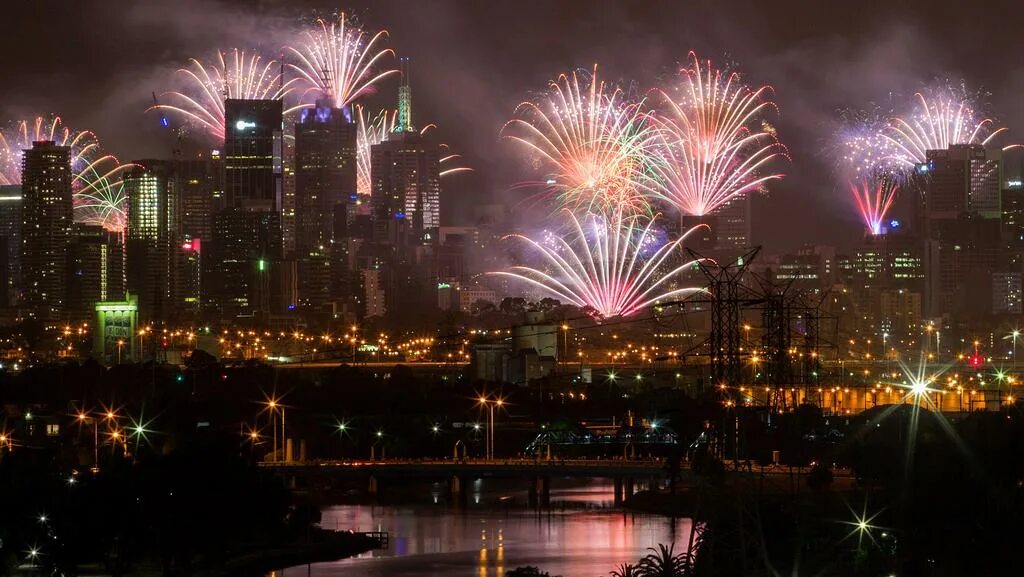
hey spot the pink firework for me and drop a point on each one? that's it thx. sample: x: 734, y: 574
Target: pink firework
x: 874, y: 198
x: 939, y: 120
x: 612, y: 264
x: 233, y: 74
x: 716, y: 144
x: 84, y: 145
x: 339, y: 61
x: 595, y: 146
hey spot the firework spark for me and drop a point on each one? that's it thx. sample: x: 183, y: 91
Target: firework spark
x: 340, y: 61
x: 940, y: 119
x: 607, y: 264
x: 596, y: 144
x: 717, y: 145
x: 233, y: 74
x: 22, y: 134
x: 874, y: 198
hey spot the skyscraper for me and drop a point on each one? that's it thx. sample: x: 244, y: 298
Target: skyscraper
x: 199, y: 183
x: 96, y: 270
x: 406, y: 181
x: 10, y: 243
x: 253, y: 145
x: 46, y: 228
x: 963, y: 246
x: 247, y: 239
x: 153, y: 232
x: 325, y: 173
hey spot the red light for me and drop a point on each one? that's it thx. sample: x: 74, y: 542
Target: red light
x: 187, y: 246
x: 975, y: 360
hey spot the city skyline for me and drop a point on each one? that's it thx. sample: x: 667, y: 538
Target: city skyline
x: 857, y: 66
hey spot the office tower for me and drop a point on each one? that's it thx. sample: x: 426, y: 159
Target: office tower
x: 288, y: 198
x: 10, y: 243
x: 46, y: 228
x: 189, y: 277
x: 253, y: 145
x: 406, y: 181
x: 199, y: 185
x: 95, y: 270
x: 247, y: 240
x: 245, y: 254
x: 963, y: 247
x: 153, y: 232
x: 325, y: 173
x: 732, y: 221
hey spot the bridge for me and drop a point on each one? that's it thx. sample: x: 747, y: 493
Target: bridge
x: 538, y: 472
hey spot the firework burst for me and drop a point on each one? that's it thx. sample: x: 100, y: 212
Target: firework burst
x: 595, y: 143
x: 22, y: 134
x: 373, y: 129
x: 98, y: 193
x: 941, y: 118
x: 611, y: 263
x: 233, y: 74
x: 339, y: 61
x: 874, y: 198
x: 716, y: 143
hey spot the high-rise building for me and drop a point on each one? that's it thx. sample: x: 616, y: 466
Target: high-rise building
x: 406, y: 181
x: 189, y: 277
x: 732, y: 223
x: 152, y: 234
x: 199, y: 185
x: 963, y: 246
x: 244, y: 255
x: 247, y: 239
x: 10, y: 243
x: 253, y: 148
x: 95, y: 270
x: 46, y: 228
x: 325, y: 173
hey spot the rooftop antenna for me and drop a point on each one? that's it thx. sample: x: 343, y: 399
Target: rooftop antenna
x: 404, y: 123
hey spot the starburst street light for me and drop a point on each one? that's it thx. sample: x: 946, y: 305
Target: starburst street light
x: 862, y: 525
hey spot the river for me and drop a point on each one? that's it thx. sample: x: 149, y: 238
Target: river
x: 581, y: 535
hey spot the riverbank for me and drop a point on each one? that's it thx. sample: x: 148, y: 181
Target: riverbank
x: 321, y: 546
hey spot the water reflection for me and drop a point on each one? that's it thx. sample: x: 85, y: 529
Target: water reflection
x: 581, y: 535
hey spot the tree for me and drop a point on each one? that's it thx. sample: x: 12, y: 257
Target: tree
x: 527, y: 571
x: 625, y: 570
x: 664, y: 562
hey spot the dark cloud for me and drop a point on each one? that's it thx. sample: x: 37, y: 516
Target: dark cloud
x: 98, y: 62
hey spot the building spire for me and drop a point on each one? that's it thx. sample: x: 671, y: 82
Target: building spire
x: 404, y: 123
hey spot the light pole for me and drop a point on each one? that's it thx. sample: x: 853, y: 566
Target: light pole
x: 490, y: 405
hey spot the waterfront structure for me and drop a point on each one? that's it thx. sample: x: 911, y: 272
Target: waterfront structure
x: 114, y: 335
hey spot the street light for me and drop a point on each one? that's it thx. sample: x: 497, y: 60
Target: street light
x: 490, y: 405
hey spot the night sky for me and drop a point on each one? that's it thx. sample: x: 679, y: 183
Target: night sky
x: 97, y: 63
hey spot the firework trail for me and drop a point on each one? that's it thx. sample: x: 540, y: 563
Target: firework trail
x: 606, y: 263
x: 234, y: 74
x: 340, y: 61
x: 716, y: 144
x: 944, y: 117
x: 449, y: 160
x: 22, y: 134
x: 373, y: 129
x: 595, y: 143
x: 874, y: 198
